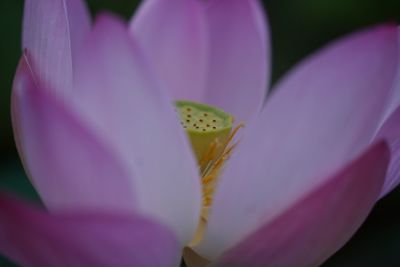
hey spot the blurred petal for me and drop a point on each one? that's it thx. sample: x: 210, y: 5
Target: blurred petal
x: 317, y: 226
x: 52, y: 31
x: 33, y: 238
x: 238, y: 71
x: 119, y: 96
x: 321, y: 116
x: 67, y: 164
x: 390, y: 131
x: 173, y: 35
x: 394, y: 98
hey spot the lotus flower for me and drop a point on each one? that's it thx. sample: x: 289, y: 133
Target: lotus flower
x: 95, y: 126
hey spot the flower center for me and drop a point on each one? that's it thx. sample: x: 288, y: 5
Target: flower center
x: 211, y: 135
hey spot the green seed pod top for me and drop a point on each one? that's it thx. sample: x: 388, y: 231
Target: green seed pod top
x: 204, y: 125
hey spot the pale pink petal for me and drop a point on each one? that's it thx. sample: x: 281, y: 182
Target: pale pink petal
x: 33, y: 238
x: 120, y: 98
x: 67, y: 164
x: 390, y: 131
x: 173, y: 35
x: 239, y: 59
x: 322, y: 115
x: 314, y: 228
x: 52, y: 31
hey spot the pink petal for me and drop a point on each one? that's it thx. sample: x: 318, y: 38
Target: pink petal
x: 390, y: 131
x: 67, y: 163
x: 314, y: 228
x: 238, y: 69
x: 53, y: 30
x: 394, y: 97
x: 389, y: 128
x: 321, y: 116
x: 33, y: 238
x: 173, y: 35
x: 118, y: 96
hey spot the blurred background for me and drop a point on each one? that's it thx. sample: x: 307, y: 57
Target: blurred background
x: 298, y: 28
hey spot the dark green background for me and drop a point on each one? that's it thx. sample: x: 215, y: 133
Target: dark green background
x: 298, y: 28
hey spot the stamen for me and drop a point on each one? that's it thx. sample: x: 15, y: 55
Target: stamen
x: 213, y: 141
x: 211, y: 166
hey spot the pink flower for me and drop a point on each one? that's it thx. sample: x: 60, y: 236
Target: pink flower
x: 97, y: 133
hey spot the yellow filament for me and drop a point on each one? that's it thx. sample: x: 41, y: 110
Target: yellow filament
x: 211, y: 165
